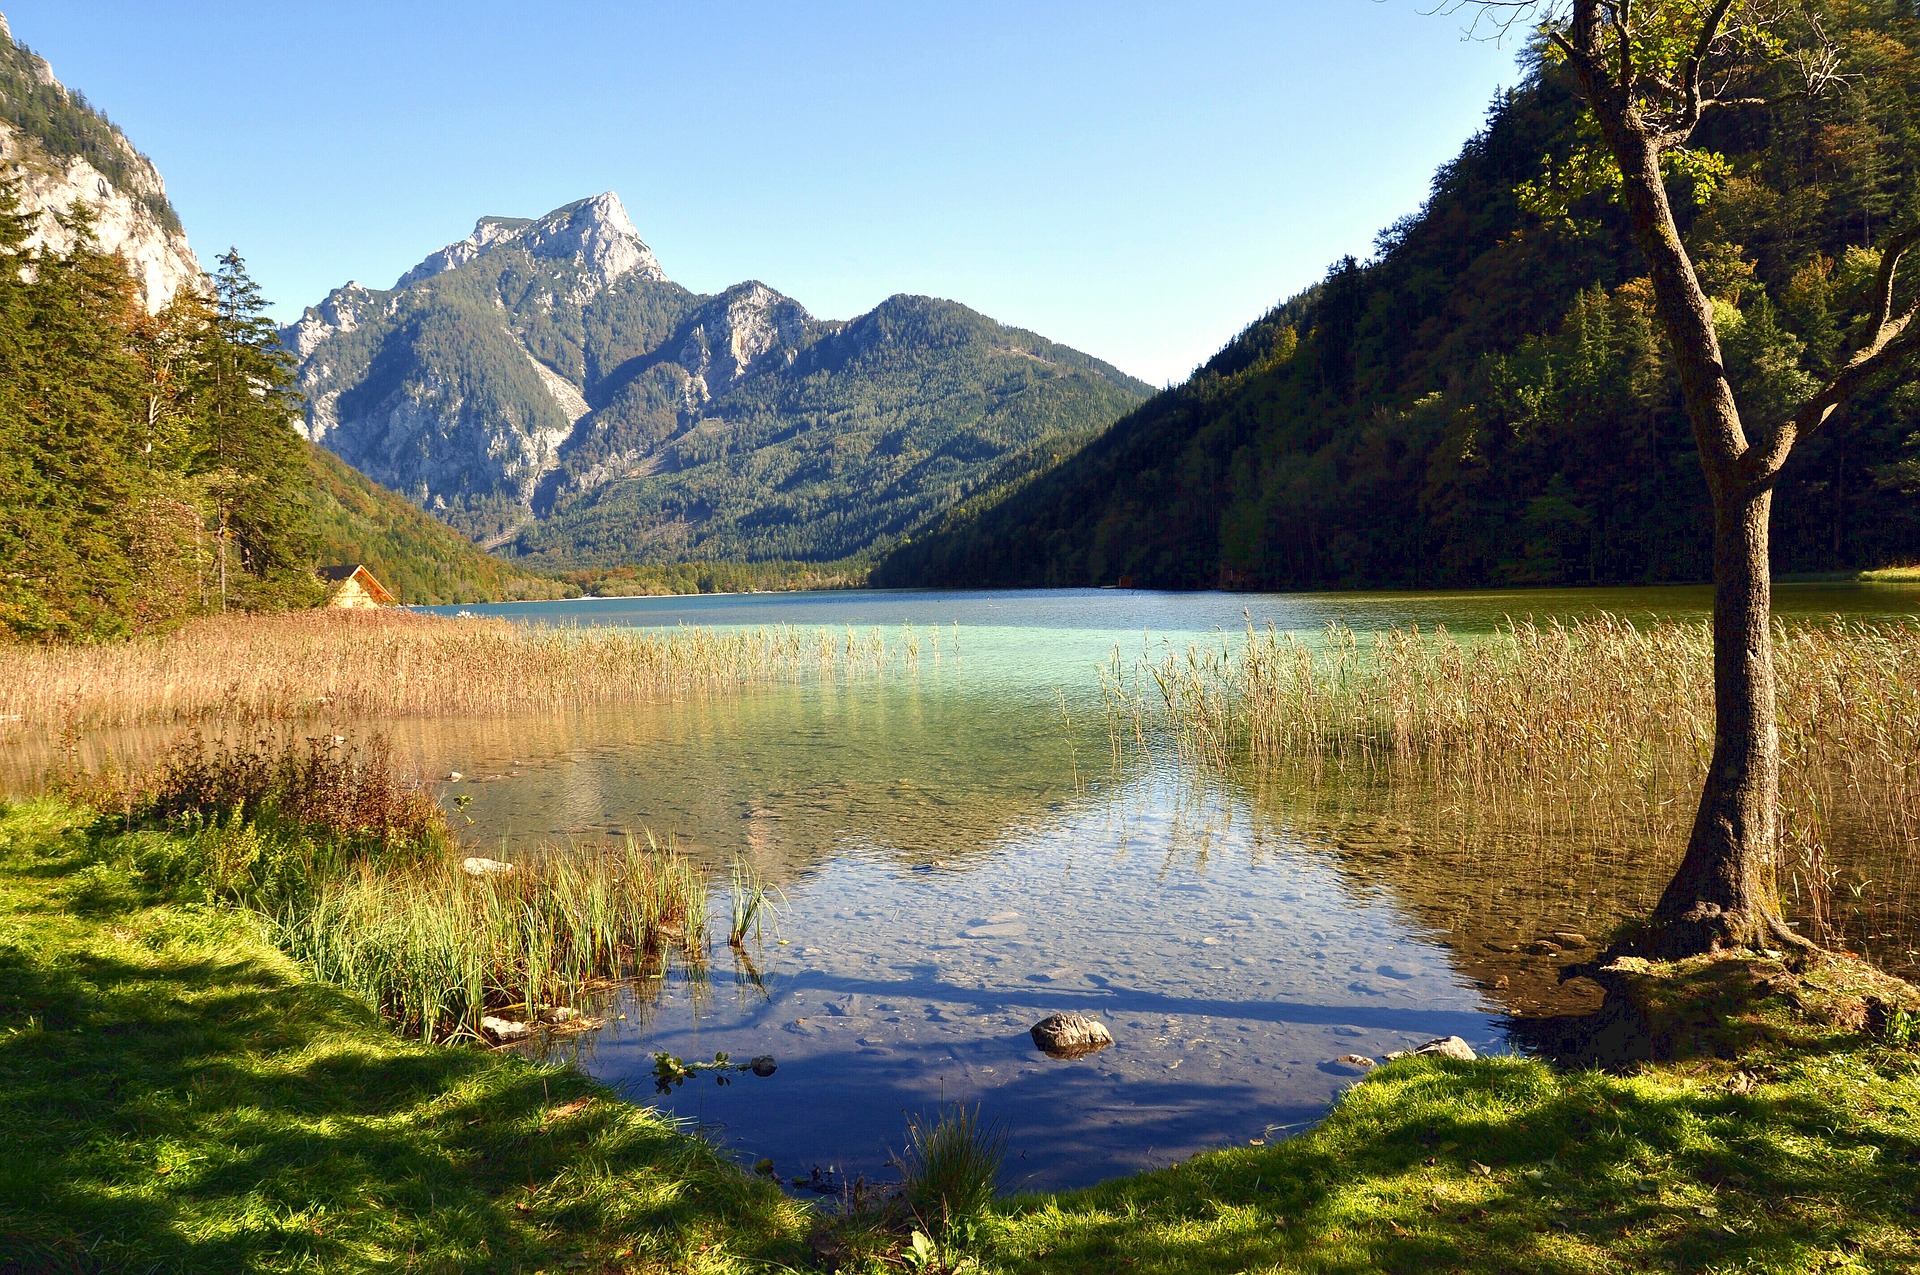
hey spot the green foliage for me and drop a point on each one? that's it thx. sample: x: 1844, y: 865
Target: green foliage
x: 1489, y: 400
x: 148, y: 465
x: 418, y: 557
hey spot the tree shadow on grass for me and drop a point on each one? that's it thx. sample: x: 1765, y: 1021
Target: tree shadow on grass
x: 197, y: 1107
x: 1583, y: 1171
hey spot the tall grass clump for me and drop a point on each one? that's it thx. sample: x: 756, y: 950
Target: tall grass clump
x: 752, y: 903
x: 338, y: 665
x: 951, y: 1167
x: 436, y: 948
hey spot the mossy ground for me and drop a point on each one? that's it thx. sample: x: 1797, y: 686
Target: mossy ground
x: 177, y: 1095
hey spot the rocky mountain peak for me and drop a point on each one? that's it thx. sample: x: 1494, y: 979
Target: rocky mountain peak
x: 595, y: 235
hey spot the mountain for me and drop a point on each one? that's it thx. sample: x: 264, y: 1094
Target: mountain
x: 544, y: 388
x: 1487, y: 400
x: 417, y: 557
x: 60, y: 154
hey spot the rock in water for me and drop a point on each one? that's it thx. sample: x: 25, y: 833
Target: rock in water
x: 504, y: 1029
x: 475, y: 866
x: 763, y: 1065
x: 1070, y: 1035
x: 1359, y: 1062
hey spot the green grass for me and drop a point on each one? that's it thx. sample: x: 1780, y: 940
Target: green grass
x: 1802, y: 1160
x: 178, y: 1096
x: 1892, y: 575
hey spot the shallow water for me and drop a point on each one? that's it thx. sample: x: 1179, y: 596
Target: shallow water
x: 960, y: 854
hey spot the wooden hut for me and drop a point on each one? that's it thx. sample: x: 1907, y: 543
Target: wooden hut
x: 354, y: 588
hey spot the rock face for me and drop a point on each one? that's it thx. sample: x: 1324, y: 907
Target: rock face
x: 57, y: 175
x: 542, y: 386
x: 1070, y: 1035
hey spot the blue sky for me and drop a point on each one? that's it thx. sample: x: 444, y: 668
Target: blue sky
x: 1136, y: 180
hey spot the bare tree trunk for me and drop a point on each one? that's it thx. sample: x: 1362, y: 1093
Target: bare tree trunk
x: 1726, y: 893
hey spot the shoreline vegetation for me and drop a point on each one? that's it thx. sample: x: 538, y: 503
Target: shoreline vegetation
x: 185, y: 1095
x: 1609, y: 722
x: 337, y: 665
x: 291, y: 919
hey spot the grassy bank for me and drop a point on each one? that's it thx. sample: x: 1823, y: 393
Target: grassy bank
x: 1794, y: 1161
x: 179, y: 1096
x: 338, y: 665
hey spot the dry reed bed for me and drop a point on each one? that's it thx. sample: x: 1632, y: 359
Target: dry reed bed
x: 1571, y: 699
x: 1594, y: 730
x: 343, y: 665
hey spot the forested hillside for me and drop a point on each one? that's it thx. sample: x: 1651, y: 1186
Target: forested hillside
x: 1487, y: 401
x: 418, y: 558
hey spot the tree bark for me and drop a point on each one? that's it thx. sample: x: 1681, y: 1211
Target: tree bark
x: 1726, y: 893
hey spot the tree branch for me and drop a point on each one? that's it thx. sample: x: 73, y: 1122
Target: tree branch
x: 1894, y: 340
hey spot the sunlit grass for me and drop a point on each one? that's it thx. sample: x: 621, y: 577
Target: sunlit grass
x: 436, y: 948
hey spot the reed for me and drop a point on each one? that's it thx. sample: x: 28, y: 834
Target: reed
x: 751, y: 898
x: 338, y: 665
x: 435, y: 949
x: 1588, y: 731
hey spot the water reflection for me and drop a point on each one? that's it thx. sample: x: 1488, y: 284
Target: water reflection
x: 1232, y: 961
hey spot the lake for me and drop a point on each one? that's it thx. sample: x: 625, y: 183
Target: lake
x: 959, y: 851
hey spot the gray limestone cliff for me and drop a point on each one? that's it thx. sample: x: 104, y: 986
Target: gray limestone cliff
x: 60, y: 156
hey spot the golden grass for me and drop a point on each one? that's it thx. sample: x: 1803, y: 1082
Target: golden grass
x: 1591, y: 729
x: 341, y: 665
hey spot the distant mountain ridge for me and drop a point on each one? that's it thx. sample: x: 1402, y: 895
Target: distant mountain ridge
x: 542, y: 386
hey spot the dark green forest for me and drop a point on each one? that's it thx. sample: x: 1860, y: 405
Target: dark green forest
x: 149, y: 469
x: 1486, y: 400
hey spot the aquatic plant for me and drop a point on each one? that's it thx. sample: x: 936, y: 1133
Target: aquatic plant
x: 439, y: 947
x: 338, y: 665
x: 751, y: 897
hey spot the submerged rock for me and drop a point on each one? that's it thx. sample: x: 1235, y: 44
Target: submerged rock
x: 475, y: 866
x: 763, y: 1065
x: 1569, y: 938
x: 1070, y: 1035
x: 504, y: 1029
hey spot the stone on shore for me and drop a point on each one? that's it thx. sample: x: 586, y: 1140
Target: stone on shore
x: 475, y: 866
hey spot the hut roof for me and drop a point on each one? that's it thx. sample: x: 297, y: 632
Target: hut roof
x: 356, y: 571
